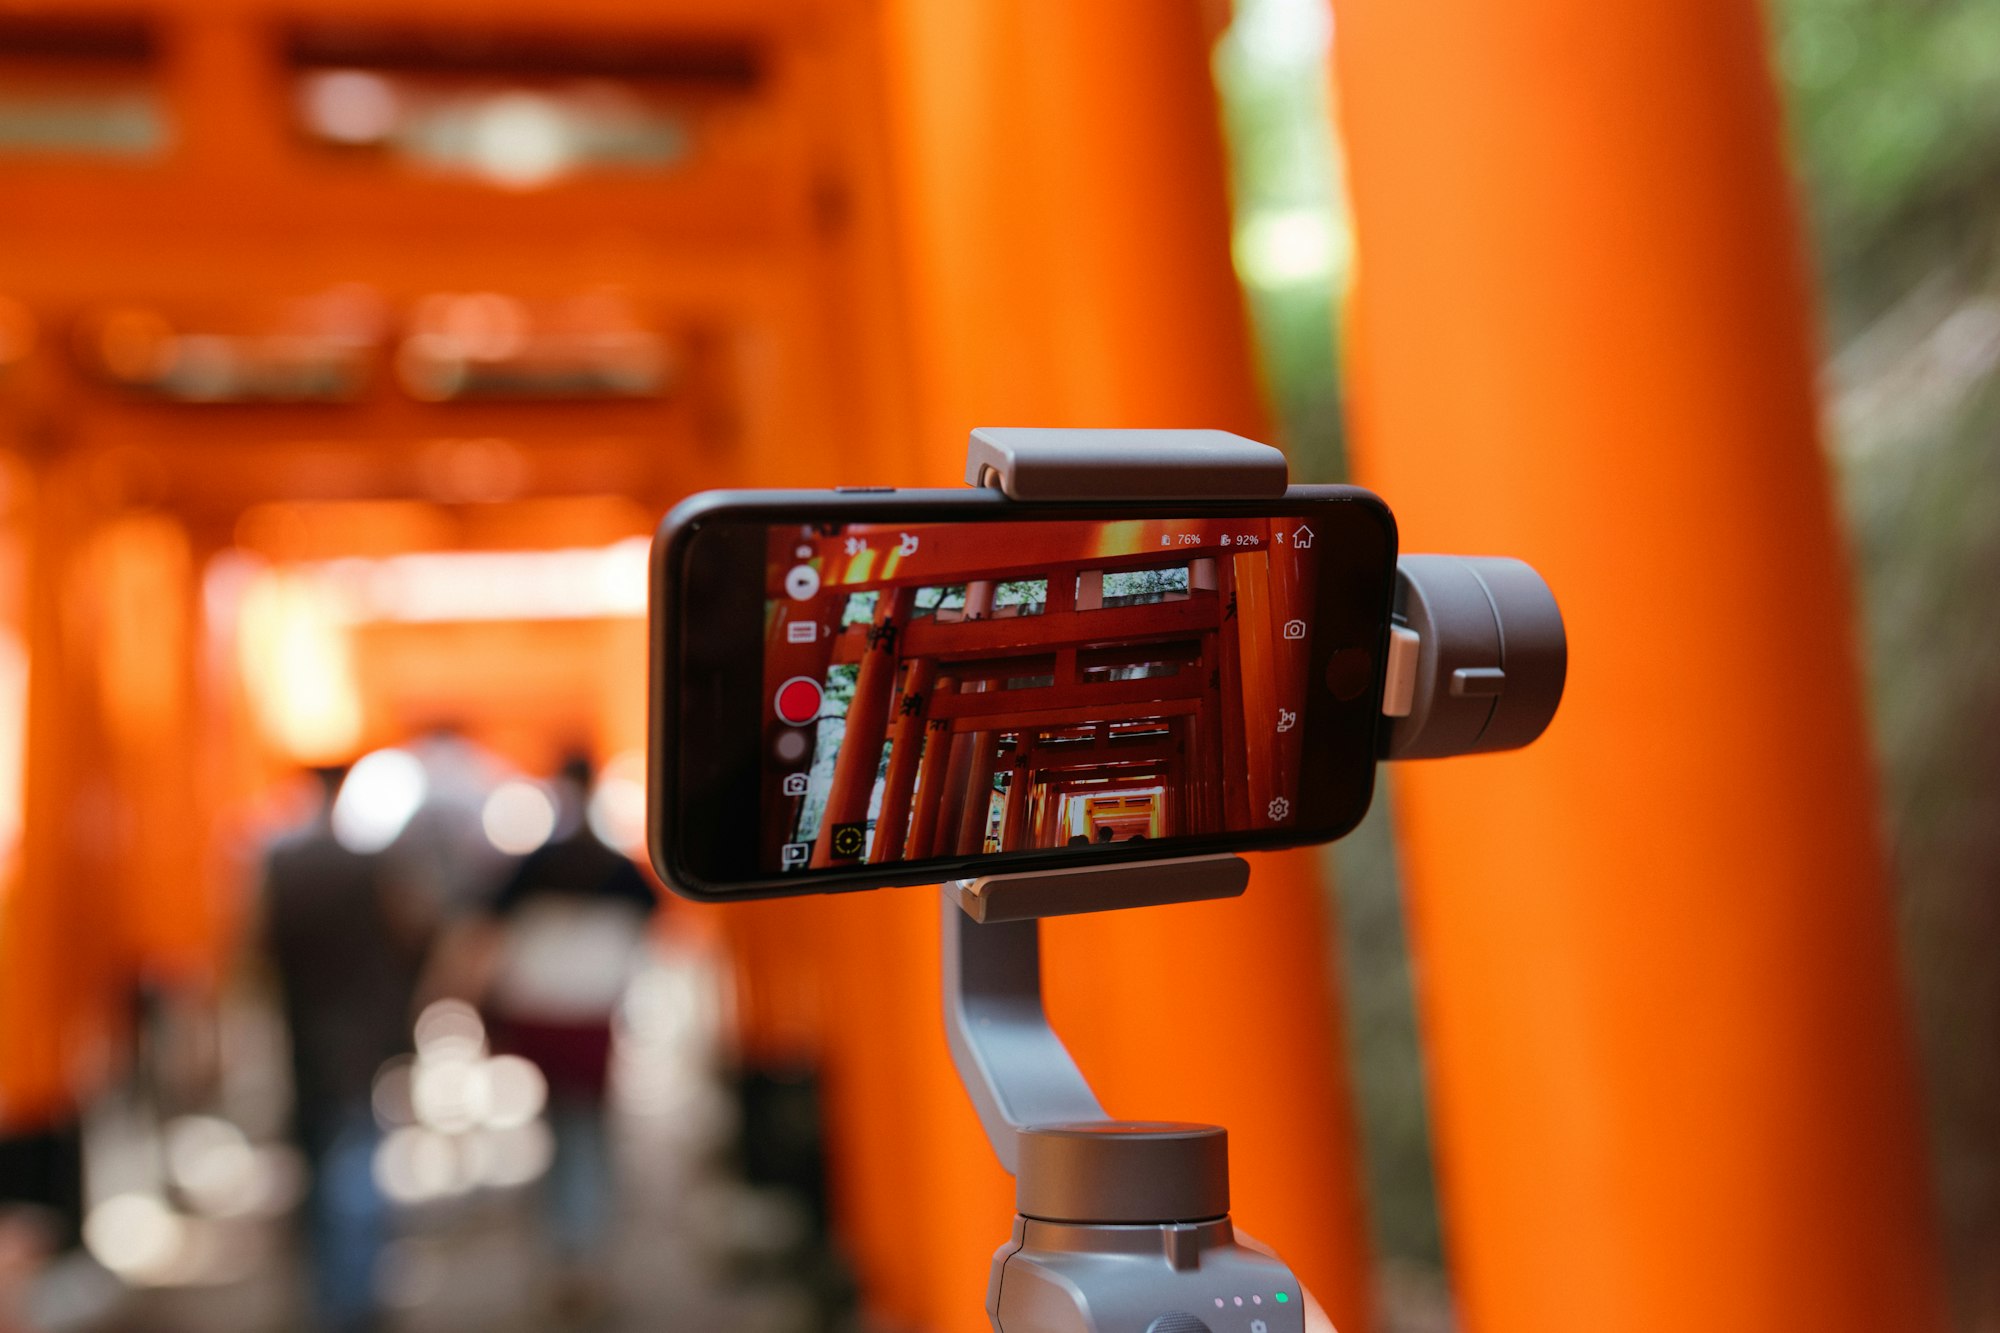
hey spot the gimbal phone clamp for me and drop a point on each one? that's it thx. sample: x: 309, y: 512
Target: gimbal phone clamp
x: 1123, y: 1226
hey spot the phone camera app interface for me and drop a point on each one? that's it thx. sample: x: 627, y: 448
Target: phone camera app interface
x: 952, y: 689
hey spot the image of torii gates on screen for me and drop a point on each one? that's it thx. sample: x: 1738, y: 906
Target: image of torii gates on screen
x: 951, y: 689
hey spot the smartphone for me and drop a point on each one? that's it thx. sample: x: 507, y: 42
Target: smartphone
x: 869, y: 687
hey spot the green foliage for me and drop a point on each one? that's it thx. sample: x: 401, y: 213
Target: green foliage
x: 1292, y: 243
x: 859, y: 610
x: 1021, y: 592
x: 1138, y: 584
x: 947, y: 598
x: 839, y: 692
x: 1895, y: 108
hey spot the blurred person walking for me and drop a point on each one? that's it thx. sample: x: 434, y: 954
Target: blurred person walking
x: 25, y: 1245
x: 443, y: 852
x: 347, y: 949
x: 41, y: 1188
x: 551, y: 964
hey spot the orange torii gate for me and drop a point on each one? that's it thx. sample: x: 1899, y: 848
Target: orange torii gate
x: 1060, y: 205
x: 1048, y: 699
x: 1664, y: 1025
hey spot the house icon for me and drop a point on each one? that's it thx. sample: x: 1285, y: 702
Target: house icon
x: 1303, y: 538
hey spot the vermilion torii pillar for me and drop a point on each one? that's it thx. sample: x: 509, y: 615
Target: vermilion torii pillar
x: 1061, y: 203
x: 906, y: 745
x: 982, y: 761
x: 1020, y: 796
x: 931, y: 770
x: 975, y: 753
x: 860, y: 757
x: 1670, y: 1066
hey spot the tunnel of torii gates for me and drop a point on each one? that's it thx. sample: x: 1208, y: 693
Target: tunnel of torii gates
x: 1161, y: 713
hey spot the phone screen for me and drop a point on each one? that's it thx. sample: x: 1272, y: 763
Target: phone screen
x: 949, y: 694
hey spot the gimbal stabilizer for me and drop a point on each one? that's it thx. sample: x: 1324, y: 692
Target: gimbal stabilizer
x: 1123, y: 1226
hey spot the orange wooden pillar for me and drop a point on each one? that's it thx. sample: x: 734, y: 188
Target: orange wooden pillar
x: 1059, y: 176
x: 933, y: 768
x: 55, y: 968
x: 111, y: 890
x: 868, y: 717
x: 906, y: 745
x: 1014, y: 832
x: 978, y: 809
x: 1671, y: 1071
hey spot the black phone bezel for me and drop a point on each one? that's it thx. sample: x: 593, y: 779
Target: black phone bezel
x: 702, y: 779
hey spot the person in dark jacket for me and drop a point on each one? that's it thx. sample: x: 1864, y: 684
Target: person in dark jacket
x: 347, y: 957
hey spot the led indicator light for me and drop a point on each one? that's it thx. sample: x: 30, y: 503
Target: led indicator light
x: 1282, y: 1298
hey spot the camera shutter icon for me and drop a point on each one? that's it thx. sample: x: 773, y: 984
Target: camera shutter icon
x: 1295, y: 629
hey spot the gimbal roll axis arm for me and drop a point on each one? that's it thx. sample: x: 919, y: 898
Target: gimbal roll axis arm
x: 1123, y: 1226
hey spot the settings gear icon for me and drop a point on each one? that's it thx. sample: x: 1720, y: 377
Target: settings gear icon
x: 1279, y: 808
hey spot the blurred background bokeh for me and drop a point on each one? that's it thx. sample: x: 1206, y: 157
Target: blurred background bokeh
x: 349, y: 354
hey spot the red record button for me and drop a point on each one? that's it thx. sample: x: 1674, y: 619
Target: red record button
x: 798, y: 700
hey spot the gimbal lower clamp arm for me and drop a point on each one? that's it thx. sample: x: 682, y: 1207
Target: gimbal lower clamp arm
x: 1015, y: 1068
